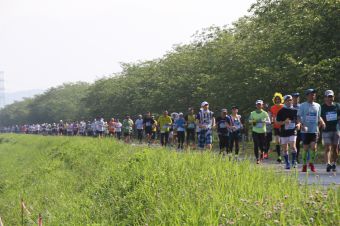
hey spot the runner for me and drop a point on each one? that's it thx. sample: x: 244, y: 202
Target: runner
x: 309, y: 115
x: 296, y: 105
x: 206, y: 121
x: 287, y: 118
x: 127, y: 128
x: 236, y: 126
x: 118, y: 129
x: 330, y: 113
x: 258, y: 119
x: 269, y: 134
x: 148, y: 125
x: 140, y: 128
x: 180, y: 127
x: 278, y: 104
x: 165, y: 123
x: 100, y: 127
x: 154, y: 130
x: 223, y: 123
x: 60, y: 128
x: 190, y: 118
x: 112, y: 127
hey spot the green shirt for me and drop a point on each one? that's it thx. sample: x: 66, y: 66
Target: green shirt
x: 127, y: 126
x: 259, y: 121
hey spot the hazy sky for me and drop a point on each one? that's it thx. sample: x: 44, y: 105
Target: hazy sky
x: 45, y: 43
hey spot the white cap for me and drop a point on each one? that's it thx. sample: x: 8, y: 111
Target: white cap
x: 259, y: 102
x: 287, y: 97
x: 180, y: 114
x: 204, y: 103
x: 329, y: 93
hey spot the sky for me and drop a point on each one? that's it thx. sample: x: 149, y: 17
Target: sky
x: 45, y: 43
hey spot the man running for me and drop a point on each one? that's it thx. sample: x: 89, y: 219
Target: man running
x: 191, y: 126
x: 287, y: 118
x: 127, y: 128
x: 296, y: 106
x: 149, y: 122
x: 140, y: 127
x: 278, y: 104
x: 309, y: 115
x: 269, y: 134
x: 205, y: 121
x: 330, y: 113
x: 180, y: 126
x: 236, y: 126
x: 164, y: 122
x: 118, y: 129
x: 259, y: 118
x: 223, y: 124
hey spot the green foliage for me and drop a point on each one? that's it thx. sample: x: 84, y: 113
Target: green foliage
x: 284, y: 46
x: 86, y: 181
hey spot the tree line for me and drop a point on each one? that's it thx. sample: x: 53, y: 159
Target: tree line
x: 283, y: 46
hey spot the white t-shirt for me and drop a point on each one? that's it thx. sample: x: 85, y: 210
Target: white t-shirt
x: 118, y: 127
x: 139, y: 123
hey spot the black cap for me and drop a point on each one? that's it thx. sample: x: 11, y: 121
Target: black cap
x: 295, y: 94
x: 309, y: 91
x: 234, y: 107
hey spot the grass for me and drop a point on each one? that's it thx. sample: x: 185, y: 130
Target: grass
x: 86, y: 181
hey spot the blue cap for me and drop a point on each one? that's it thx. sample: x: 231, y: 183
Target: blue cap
x: 295, y: 94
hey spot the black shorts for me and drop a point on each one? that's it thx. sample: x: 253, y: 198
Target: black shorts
x: 276, y: 132
x: 309, y: 138
x: 191, y: 135
x: 126, y: 134
x: 148, y: 130
x: 153, y: 135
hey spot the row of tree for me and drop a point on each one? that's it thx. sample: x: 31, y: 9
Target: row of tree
x: 284, y: 46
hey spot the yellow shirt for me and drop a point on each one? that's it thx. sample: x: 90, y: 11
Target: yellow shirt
x: 164, y: 123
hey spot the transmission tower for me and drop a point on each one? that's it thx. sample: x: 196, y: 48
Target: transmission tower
x: 2, y: 89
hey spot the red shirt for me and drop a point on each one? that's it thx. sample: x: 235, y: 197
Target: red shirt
x: 274, y: 110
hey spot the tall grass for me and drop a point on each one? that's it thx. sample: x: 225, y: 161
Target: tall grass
x: 86, y: 181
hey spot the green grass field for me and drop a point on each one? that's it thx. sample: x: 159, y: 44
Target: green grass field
x: 86, y: 181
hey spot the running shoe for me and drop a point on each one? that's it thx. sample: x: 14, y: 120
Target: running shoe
x: 265, y: 155
x: 329, y: 167
x: 287, y: 166
x: 312, y: 167
x: 279, y: 160
x: 304, y: 168
x: 294, y: 164
x: 258, y: 161
x: 334, y: 167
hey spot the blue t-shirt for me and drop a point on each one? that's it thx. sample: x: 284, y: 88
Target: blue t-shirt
x: 310, y: 114
x: 180, y: 124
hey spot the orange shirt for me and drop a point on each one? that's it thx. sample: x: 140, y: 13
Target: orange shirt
x: 274, y: 110
x: 112, y: 126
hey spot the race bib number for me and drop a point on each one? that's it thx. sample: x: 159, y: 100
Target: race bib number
x: 259, y: 125
x: 165, y: 126
x: 127, y: 128
x: 312, y: 118
x: 147, y: 124
x: 331, y: 116
x: 191, y: 126
x: 290, y: 126
x: 223, y: 125
x: 237, y: 125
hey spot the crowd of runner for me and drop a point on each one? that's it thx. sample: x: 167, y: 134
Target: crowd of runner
x: 288, y: 121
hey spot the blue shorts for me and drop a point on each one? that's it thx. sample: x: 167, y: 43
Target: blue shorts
x: 204, y: 137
